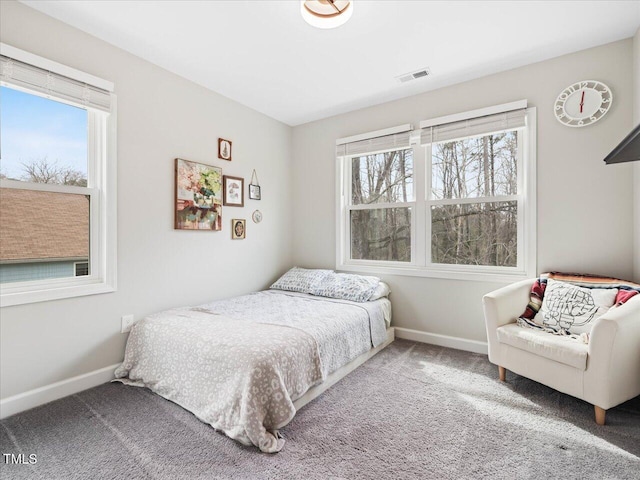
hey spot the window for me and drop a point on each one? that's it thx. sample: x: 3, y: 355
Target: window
x: 381, y: 205
x: 57, y: 179
x: 455, y: 199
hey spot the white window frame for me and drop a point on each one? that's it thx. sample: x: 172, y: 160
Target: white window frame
x: 101, y: 188
x: 420, y: 264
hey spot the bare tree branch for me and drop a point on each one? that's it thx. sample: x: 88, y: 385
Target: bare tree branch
x: 44, y: 171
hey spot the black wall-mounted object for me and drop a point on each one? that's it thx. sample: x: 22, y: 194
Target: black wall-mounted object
x: 628, y: 150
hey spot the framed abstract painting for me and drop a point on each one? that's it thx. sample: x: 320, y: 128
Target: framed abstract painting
x: 198, y: 196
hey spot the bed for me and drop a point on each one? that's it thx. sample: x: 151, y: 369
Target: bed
x: 245, y: 365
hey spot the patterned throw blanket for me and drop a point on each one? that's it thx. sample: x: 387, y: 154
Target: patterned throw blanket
x: 245, y: 392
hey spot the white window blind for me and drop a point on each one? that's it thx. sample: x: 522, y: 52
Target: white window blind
x: 473, y: 127
x: 20, y: 74
x: 377, y: 144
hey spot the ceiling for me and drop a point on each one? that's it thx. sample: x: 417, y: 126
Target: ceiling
x: 263, y: 55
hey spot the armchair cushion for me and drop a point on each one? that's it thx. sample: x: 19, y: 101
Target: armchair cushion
x: 558, y: 348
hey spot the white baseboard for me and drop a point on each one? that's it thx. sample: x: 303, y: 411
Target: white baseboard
x: 39, y: 396
x: 442, y: 340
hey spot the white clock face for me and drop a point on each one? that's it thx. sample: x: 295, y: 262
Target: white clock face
x: 583, y: 103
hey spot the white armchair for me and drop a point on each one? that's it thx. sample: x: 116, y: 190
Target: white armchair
x: 605, y: 372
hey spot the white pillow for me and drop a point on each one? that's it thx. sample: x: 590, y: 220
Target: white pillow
x: 301, y: 280
x: 346, y: 286
x: 381, y: 291
x: 572, y: 309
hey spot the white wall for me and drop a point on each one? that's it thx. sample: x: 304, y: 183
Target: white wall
x: 636, y: 167
x: 584, y: 207
x: 160, y: 117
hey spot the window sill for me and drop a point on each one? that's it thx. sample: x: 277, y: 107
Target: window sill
x: 22, y: 297
x: 443, y: 273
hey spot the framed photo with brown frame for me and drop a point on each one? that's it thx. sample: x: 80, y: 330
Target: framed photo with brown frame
x: 233, y: 188
x: 224, y: 149
x: 238, y: 228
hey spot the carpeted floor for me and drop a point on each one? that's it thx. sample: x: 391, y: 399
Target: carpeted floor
x: 413, y: 411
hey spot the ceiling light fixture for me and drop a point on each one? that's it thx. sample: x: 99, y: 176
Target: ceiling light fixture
x: 326, y: 13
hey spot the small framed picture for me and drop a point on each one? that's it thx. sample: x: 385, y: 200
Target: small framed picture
x: 233, y: 188
x: 254, y: 192
x: 224, y: 149
x: 238, y: 228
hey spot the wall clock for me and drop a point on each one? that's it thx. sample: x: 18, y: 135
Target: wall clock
x: 257, y: 216
x: 583, y: 103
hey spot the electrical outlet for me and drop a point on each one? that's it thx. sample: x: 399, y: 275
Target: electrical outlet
x: 127, y: 323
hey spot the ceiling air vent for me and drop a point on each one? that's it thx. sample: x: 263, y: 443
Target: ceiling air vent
x: 424, y: 72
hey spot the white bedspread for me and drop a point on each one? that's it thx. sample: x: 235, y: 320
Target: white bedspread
x: 343, y: 329
x: 239, y: 364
